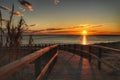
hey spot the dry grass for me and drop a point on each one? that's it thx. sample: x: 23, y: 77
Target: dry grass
x: 13, y: 35
x: 1, y: 31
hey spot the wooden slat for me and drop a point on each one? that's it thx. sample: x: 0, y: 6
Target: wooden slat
x: 44, y: 70
x: 11, y: 68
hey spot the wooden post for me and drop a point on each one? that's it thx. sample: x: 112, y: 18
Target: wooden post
x: 74, y: 48
x: 81, y: 50
x: 37, y: 67
x: 90, y: 58
x: 62, y: 47
x: 100, y: 56
x: 51, y: 53
x: 81, y: 47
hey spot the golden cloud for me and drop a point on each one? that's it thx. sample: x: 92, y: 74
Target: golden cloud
x: 17, y: 13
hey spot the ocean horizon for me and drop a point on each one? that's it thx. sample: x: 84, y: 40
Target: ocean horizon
x: 51, y: 39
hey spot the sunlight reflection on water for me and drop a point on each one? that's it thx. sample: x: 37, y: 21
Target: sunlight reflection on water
x: 84, y: 40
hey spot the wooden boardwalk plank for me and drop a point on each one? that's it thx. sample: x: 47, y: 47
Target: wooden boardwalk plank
x: 70, y: 67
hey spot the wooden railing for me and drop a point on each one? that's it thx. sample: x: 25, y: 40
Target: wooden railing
x: 90, y: 52
x: 44, y: 59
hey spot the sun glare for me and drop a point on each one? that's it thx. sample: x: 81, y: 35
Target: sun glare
x: 84, y: 40
x: 84, y: 32
x: 84, y: 37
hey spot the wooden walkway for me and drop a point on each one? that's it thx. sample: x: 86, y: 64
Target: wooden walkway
x: 66, y: 62
x: 73, y: 67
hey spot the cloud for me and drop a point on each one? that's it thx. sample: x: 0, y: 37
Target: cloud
x: 5, y: 8
x: 33, y: 25
x: 63, y: 32
x: 56, y: 1
x: 45, y: 30
x: 54, y: 29
x: 26, y: 4
x: 17, y: 13
x: 96, y: 26
x: 68, y: 30
x: 88, y: 26
x: 103, y: 32
x: 77, y: 27
x: 93, y: 31
x: 21, y: 9
x: 73, y: 30
x: 49, y: 29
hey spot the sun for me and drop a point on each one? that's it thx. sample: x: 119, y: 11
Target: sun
x: 84, y: 32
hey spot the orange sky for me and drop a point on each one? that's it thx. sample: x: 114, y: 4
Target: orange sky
x: 77, y: 29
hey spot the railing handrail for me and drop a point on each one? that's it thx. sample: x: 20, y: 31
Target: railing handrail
x: 97, y: 46
x: 44, y: 70
x: 12, y: 67
x: 105, y: 47
x: 101, y: 60
x: 89, y: 52
x: 93, y: 45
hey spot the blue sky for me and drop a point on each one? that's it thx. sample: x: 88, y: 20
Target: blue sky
x: 71, y: 13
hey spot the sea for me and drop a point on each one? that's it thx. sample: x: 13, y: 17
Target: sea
x: 40, y: 39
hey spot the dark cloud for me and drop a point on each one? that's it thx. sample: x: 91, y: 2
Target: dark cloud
x: 96, y: 26
x: 88, y: 26
x: 17, y: 13
x: 26, y: 4
x: 51, y: 29
x: 32, y: 31
x: 5, y: 8
x: 33, y: 25
x: 93, y: 30
x: 55, y: 29
x: 64, y: 31
x: 56, y: 1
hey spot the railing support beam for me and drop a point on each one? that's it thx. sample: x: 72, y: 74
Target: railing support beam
x: 100, y: 56
x: 37, y: 67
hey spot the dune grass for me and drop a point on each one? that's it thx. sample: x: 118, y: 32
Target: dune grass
x: 13, y: 35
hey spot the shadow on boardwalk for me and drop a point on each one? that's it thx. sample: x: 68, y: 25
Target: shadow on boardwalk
x: 72, y: 67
